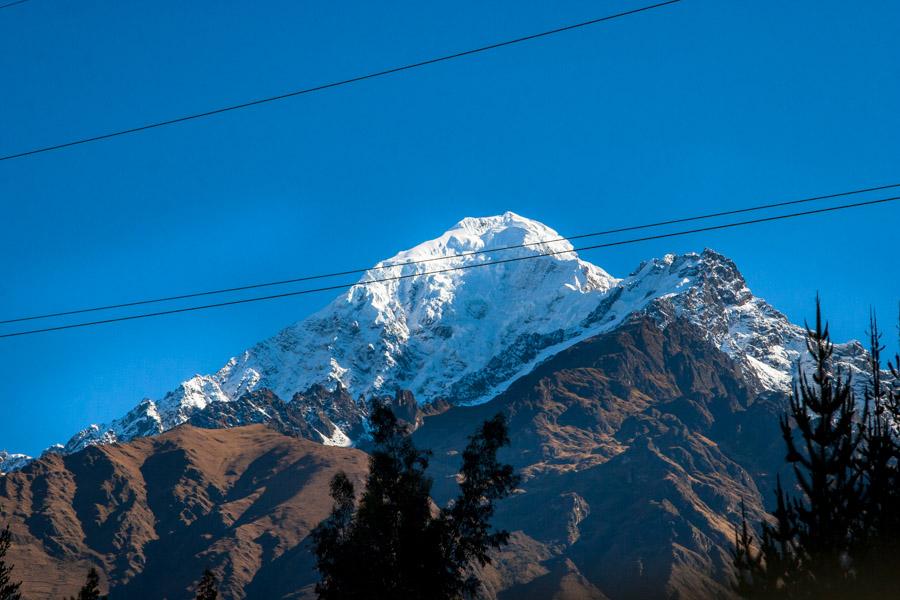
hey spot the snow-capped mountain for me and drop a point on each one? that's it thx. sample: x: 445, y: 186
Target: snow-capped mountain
x: 463, y: 336
x: 432, y: 335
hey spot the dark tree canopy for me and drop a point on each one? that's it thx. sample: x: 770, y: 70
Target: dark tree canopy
x: 838, y: 534
x: 394, y: 543
x: 877, y: 556
x: 9, y: 589
x: 208, y: 588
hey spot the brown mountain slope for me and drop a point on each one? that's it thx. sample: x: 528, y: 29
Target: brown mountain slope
x: 152, y: 514
x: 637, y: 448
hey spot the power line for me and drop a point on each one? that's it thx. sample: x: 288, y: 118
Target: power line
x: 460, y: 268
x: 462, y: 254
x: 334, y: 84
x: 2, y: 6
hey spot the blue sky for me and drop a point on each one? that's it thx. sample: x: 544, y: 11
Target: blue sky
x: 696, y: 107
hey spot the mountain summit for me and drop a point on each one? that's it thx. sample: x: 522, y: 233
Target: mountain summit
x: 463, y: 336
x: 435, y: 333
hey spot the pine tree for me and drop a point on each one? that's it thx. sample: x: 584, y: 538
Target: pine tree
x: 379, y: 551
x: 878, y: 552
x: 91, y: 588
x: 808, y: 552
x: 9, y: 590
x: 207, y: 589
x: 394, y: 543
x: 754, y: 578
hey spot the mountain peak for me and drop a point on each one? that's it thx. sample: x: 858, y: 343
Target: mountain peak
x: 485, y: 235
x: 702, y: 264
x: 509, y: 223
x: 426, y: 333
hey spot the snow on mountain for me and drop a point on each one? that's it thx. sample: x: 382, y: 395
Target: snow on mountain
x: 12, y: 462
x: 708, y: 290
x: 458, y: 335
x: 463, y: 336
x: 433, y: 335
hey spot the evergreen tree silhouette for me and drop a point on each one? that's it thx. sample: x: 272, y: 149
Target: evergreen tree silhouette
x: 91, y: 588
x: 808, y: 552
x: 484, y: 480
x: 9, y: 589
x: 395, y: 543
x: 877, y: 557
x: 752, y: 578
x: 207, y: 589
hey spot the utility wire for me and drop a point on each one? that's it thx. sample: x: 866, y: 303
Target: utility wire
x: 334, y: 84
x: 460, y: 268
x: 462, y: 254
x: 2, y: 6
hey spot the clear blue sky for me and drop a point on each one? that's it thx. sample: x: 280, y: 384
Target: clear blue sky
x: 700, y: 106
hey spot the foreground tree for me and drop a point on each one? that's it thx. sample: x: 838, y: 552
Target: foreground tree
x: 807, y: 552
x: 877, y: 561
x: 395, y: 543
x: 207, y: 589
x: 840, y: 537
x: 91, y: 588
x: 9, y: 589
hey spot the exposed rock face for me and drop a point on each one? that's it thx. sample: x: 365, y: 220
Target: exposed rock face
x: 310, y: 415
x: 307, y: 418
x: 152, y: 514
x: 141, y: 421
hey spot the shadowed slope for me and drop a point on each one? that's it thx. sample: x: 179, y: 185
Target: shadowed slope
x: 636, y: 458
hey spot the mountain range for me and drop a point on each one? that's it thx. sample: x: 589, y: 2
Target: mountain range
x: 642, y: 413
x: 463, y: 336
